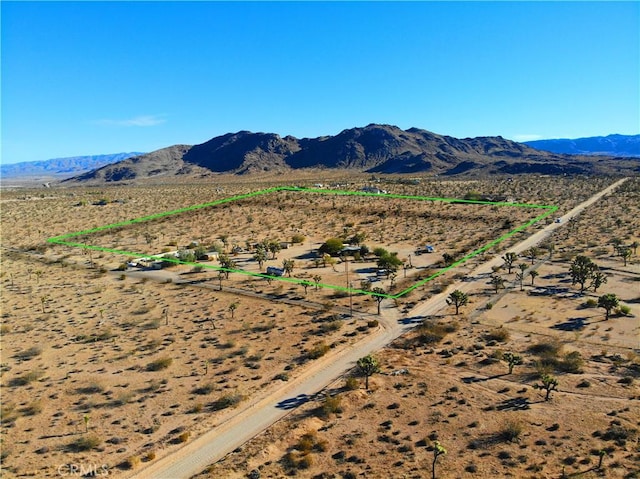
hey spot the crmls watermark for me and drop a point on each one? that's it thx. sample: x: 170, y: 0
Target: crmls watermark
x: 83, y: 470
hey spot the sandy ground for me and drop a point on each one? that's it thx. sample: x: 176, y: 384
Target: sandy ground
x: 79, y: 342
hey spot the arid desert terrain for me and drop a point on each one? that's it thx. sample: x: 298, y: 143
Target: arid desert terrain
x: 108, y: 368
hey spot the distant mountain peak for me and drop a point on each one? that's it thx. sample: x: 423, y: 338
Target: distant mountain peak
x: 376, y: 148
x: 610, y: 145
x: 62, y: 167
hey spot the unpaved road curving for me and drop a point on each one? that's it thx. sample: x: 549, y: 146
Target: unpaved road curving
x: 240, y: 425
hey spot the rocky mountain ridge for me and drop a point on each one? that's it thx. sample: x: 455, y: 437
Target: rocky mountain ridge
x: 374, y: 148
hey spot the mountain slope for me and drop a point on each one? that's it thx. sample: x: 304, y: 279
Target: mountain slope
x: 62, y: 166
x: 611, y: 145
x: 374, y: 148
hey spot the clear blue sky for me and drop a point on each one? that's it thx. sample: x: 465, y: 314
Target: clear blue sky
x: 103, y: 77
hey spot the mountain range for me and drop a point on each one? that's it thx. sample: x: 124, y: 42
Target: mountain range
x: 611, y: 145
x: 61, y: 167
x: 375, y: 148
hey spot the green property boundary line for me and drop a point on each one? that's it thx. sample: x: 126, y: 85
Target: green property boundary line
x: 65, y: 239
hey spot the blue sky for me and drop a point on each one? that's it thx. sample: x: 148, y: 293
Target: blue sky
x: 81, y: 78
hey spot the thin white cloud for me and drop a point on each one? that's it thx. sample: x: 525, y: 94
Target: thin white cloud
x: 526, y: 137
x: 142, y: 121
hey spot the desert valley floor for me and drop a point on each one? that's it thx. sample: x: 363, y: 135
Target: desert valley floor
x: 107, y: 368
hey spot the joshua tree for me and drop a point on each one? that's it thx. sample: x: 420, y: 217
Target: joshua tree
x: 512, y: 360
x: 520, y: 279
x: 368, y: 365
x: 288, y: 265
x: 458, y: 298
x: 601, y: 454
x: 43, y: 300
x: 497, y: 282
x: 533, y: 253
x: 260, y: 256
x: 438, y: 450
x: 597, y: 280
x: 316, y: 279
x: 378, y: 296
x: 448, y: 259
x: 274, y: 247
x: 625, y: 253
x: 634, y: 246
x: 534, y: 274
x: 549, y: 383
x: 227, y: 263
x: 523, y: 267
x: 305, y: 285
x: 232, y: 309
x: 220, y: 278
x: 86, y: 423
x: 582, y: 269
x: 509, y: 259
x: 608, y: 302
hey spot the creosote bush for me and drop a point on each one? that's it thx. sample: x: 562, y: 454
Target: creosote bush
x: 226, y: 401
x: 498, y: 334
x: 511, y: 431
x: 159, y: 364
x: 318, y: 351
x: 84, y: 443
x: 331, y: 405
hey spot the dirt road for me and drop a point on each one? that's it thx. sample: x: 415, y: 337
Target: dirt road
x: 257, y: 414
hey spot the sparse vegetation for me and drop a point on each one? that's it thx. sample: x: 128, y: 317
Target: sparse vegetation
x: 159, y: 364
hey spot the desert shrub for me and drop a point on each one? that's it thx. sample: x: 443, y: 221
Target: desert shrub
x: 471, y: 468
x: 91, y: 388
x: 305, y: 462
x: 307, y: 441
x: 132, y: 462
x: 591, y: 303
x: 497, y: 334
x: 331, y: 326
x: 122, y: 398
x: 546, y: 349
x: 331, y: 405
x: 626, y: 380
x: 32, y: 408
x: 150, y: 456
x: 27, y: 378
x: 183, y: 437
x: 226, y: 401
x: 30, y: 353
x: 84, y: 443
x: 8, y: 414
x: 572, y: 363
x: 281, y: 376
x: 204, y: 389
x: 510, y: 432
x: 197, y: 408
x: 433, y: 333
x: 159, y: 364
x: 583, y: 384
x: 318, y: 351
x: 623, y: 310
x: 298, y: 238
x: 373, y: 323
x: 351, y: 383
x: 619, y: 434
